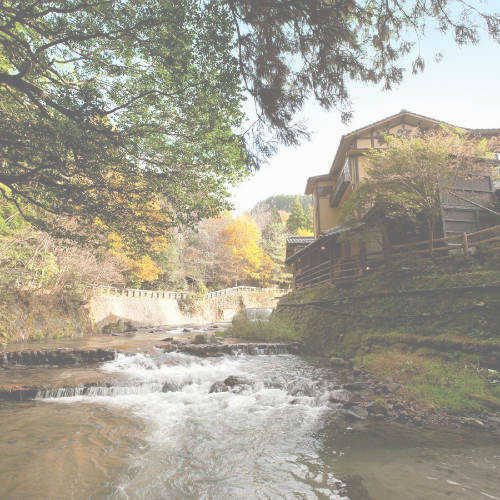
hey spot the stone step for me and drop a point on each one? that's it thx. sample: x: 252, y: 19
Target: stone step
x: 55, y: 357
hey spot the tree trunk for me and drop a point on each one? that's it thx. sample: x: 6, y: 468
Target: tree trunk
x: 431, y: 225
x: 386, y: 242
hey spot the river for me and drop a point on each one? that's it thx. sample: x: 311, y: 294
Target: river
x: 275, y: 437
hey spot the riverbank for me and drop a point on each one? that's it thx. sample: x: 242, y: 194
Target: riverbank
x: 156, y: 424
x: 423, y: 332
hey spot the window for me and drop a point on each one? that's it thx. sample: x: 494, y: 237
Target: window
x: 324, y: 191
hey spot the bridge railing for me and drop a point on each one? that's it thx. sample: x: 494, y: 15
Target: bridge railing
x: 235, y: 289
x: 167, y: 294
x: 135, y: 292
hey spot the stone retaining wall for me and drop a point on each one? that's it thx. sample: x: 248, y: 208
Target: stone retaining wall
x: 112, y: 309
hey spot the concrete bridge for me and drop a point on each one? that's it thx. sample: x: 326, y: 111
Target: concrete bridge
x: 111, y: 307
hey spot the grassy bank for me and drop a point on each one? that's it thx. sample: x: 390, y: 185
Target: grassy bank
x: 430, y: 324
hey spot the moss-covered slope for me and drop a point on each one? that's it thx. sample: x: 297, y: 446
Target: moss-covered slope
x: 442, y: 306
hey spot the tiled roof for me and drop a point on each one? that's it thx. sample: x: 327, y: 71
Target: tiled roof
x: 300, y: 239
x: 486, y: 130
x: 336, y: 230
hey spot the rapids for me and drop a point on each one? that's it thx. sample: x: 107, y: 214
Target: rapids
x: 156, y: 431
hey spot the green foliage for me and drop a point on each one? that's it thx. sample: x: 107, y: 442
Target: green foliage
x: 300, y: 218
x: 283, y: 202
x: 105, y: 106
x: 119, y: 135
x: 273, y: 242
x: 276, y: 329
x: 407, y: 178
x: 451, y: 386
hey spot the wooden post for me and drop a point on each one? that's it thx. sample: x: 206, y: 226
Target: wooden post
x: 465, y: 243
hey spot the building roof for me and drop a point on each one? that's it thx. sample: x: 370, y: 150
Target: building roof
x: 345, y: 140
x: 312, y: 181
x: 486, y: 131
x: 299, y: 239
x: 322, y: 238
x: 345, y: 143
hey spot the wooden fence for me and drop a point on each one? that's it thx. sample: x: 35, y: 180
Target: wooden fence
x: 359, y: 265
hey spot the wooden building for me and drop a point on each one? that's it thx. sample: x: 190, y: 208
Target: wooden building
x: 471, y: 207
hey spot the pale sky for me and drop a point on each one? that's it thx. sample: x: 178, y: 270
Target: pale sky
x: 463, y: 89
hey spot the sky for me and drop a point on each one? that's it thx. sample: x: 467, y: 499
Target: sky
x: 462, y: 89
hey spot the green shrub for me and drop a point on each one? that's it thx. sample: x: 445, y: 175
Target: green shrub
x: 273, y: 330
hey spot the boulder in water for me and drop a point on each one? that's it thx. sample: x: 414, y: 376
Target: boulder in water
x: 356, y: 386
x: 233, y: 381
x: 357, y: 413
x: 339, y: 362
x: 169, y: 387
x: 340, y: 396
x: 218, y: 387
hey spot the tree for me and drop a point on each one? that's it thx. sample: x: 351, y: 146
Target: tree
x: 107, y: 106
x: 300, y: 218
x: 273, y: 243
x: 242, y: 237
x: 406, y: 178
x: 282, y: 202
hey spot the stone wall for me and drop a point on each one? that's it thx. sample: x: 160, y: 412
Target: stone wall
x: 110, y: 309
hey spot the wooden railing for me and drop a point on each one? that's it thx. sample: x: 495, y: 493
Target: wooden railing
x: 359, y: 265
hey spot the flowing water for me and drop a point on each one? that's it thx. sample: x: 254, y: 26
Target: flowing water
x: 154, y: 430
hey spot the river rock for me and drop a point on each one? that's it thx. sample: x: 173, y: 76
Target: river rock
x: 233, y: 381
x: 339, y: 362
x: 59, y: 356
x: 218, y: 387
x: 200, y: 339
x: 169, y: 387
x: 473, y: 422
x: 390, y: 387
x: 379, y: 406
x: 356, y: 386
x: 339, y: 396
x: 357, y: 413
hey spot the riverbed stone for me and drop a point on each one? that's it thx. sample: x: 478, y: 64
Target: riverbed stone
x: 169, y: 387
x: 233, y: 381
x: 356, y: 413
x: 218, y: 387
x: 356, y: 386
x: 339, y: 396
x: 339, y: 362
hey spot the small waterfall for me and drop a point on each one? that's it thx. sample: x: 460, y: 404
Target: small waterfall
x: 190, y: 376
x: 99, y: 391
x: 262, y: 313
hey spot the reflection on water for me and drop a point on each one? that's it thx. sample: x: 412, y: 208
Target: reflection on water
x: 274, y: 437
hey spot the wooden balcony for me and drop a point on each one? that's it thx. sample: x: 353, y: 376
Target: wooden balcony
x: 343, y: 182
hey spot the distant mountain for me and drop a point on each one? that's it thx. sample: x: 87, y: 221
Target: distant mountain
x: 283, y: 202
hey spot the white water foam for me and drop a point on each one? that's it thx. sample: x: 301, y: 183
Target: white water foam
x: 252, y: 442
